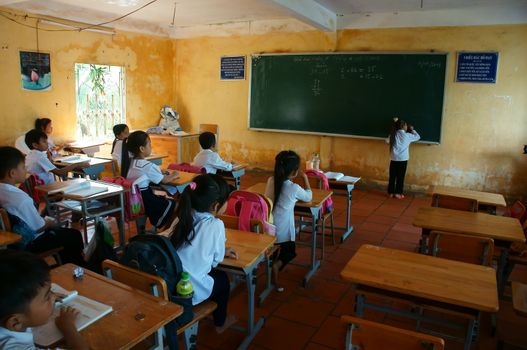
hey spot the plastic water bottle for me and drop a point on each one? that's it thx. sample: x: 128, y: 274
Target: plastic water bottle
x: 316, y: 162
x: 184, y: 287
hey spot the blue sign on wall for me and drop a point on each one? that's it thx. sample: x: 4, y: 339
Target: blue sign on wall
x: 232, y: 68
x: 477, y: 67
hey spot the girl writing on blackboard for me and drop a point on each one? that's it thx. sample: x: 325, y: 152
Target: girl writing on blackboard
x: 400, y: 138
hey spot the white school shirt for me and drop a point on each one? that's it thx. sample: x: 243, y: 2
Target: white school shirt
x: 20, y: 144
x: 140, y: 167
x: 211, y: 161
x: 18, y: 203
x: 204, y: 252
x: 117, y: 150
x: 51, y: 148
x: 10, y: 340
x: 284, y: 210
x: 37, y: 163
x: 400, y: 151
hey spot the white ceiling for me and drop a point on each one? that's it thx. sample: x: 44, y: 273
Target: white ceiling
x: 226, y: 17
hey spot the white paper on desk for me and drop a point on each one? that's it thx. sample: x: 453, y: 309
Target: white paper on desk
x: 349, y: 179
x: 334, y: 175
x: 81, y: 189
x: 89, y: 312
x: 73, y: 159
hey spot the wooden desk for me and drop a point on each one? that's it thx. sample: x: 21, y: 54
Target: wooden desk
x: 119, y: 329
x: 314, y: 207
x: 234, y: 175
x: 81, y: 205
x: 445, y: 284
x: 97, y: 165
x: 499, y: 228
x: 344, y: 188
x: 7, y: 238
x: 251, y: 248
x: 504, y: 230
x: 485, y: 198
x: 154, y: 158
x: 180, y: 183
x: 178, y: 148
x: 86, y: 147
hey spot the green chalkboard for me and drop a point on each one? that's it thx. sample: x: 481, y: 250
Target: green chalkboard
x: 348, y: 94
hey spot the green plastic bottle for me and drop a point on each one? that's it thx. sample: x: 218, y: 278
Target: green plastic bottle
x: 184, y: 287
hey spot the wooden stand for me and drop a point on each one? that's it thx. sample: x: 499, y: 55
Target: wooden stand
x: 178, y: 149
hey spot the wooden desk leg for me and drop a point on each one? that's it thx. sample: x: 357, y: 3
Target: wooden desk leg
x: 315, y: 264
x: 500, y: 272
x: 349, y: 228
x: 423, y: 242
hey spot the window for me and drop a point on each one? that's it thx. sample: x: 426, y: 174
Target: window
x: 100, y: 92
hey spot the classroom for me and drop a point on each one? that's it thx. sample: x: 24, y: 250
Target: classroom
x: 171, y: 54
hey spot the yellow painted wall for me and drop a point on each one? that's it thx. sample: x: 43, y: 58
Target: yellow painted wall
x: 148, y: 63
x: 484, y: 127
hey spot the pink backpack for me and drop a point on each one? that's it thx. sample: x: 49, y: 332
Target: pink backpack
x: 328, y: 204
x: 187, y: 168
x: 247, y: 206
x: 133, y: 201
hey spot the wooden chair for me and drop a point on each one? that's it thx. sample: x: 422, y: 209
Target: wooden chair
x: 157, y: 286
x: 519, y: 298
x: 213, y: 128
x: 518, y: 211
x: 257, y: 226
x: 5, y: 224
x: 368, y: 335
x: 453, y: 202
x: 465, y: 248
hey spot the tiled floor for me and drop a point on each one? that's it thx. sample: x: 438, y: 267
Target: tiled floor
x: 309, y: 318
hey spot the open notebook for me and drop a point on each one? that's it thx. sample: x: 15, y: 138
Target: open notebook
x: 340, y: 177
x: 73, y: 159
x: 81, y: 189
x: 89, y: 312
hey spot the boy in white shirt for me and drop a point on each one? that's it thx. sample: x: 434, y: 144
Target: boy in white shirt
x: 208, y: 158
x: 26, y: 301
x: 37, y: 162
x: 38, y: 234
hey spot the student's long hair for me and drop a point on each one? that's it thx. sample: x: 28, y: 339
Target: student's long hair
x: 397, y: 125
x: 117, y: 129
x: 209, y: 189
x: 42, y: 123
x: 286, y: 162
x: 133, y: 145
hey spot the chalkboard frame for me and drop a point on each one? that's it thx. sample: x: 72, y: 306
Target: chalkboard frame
x: 302, y: 132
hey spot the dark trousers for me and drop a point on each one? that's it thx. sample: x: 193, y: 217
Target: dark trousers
x: 69, y: 239
x: 220, y: 295
x: 397, y: 173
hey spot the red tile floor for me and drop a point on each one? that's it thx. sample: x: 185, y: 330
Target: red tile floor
x: 309, y: 318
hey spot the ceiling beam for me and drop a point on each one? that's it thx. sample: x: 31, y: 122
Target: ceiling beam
x: 311, y: 12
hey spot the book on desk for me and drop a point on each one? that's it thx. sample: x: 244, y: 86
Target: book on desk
x: 80, y: 189
x: 331, y: 175
x: 72, y: 159
x: 89, y: 312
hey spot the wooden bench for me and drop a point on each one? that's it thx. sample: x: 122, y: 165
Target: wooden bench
x: 367, y: 335
x: 157, y: 286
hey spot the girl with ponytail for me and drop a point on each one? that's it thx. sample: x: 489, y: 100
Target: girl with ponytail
x: 285, y: 193
x: 199, y: 238
x: 157, y: 208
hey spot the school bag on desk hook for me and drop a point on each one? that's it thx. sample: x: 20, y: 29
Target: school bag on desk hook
x: 249, y: 205
x: 155, y: 254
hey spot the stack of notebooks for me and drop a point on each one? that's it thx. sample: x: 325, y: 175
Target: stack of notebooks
x: 80, y: 189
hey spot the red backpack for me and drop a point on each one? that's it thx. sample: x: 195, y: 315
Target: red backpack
x: 247, y: 206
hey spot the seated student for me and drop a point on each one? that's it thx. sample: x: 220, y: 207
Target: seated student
x: 121, y: 132
x: 199, y: 238
x: 157, y: 208
x: 285, y: 193
x: 45, y: 125
x: 38, y: 234
x: 208, y: 158
x: 37, y: 162
x: 26, y: 301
